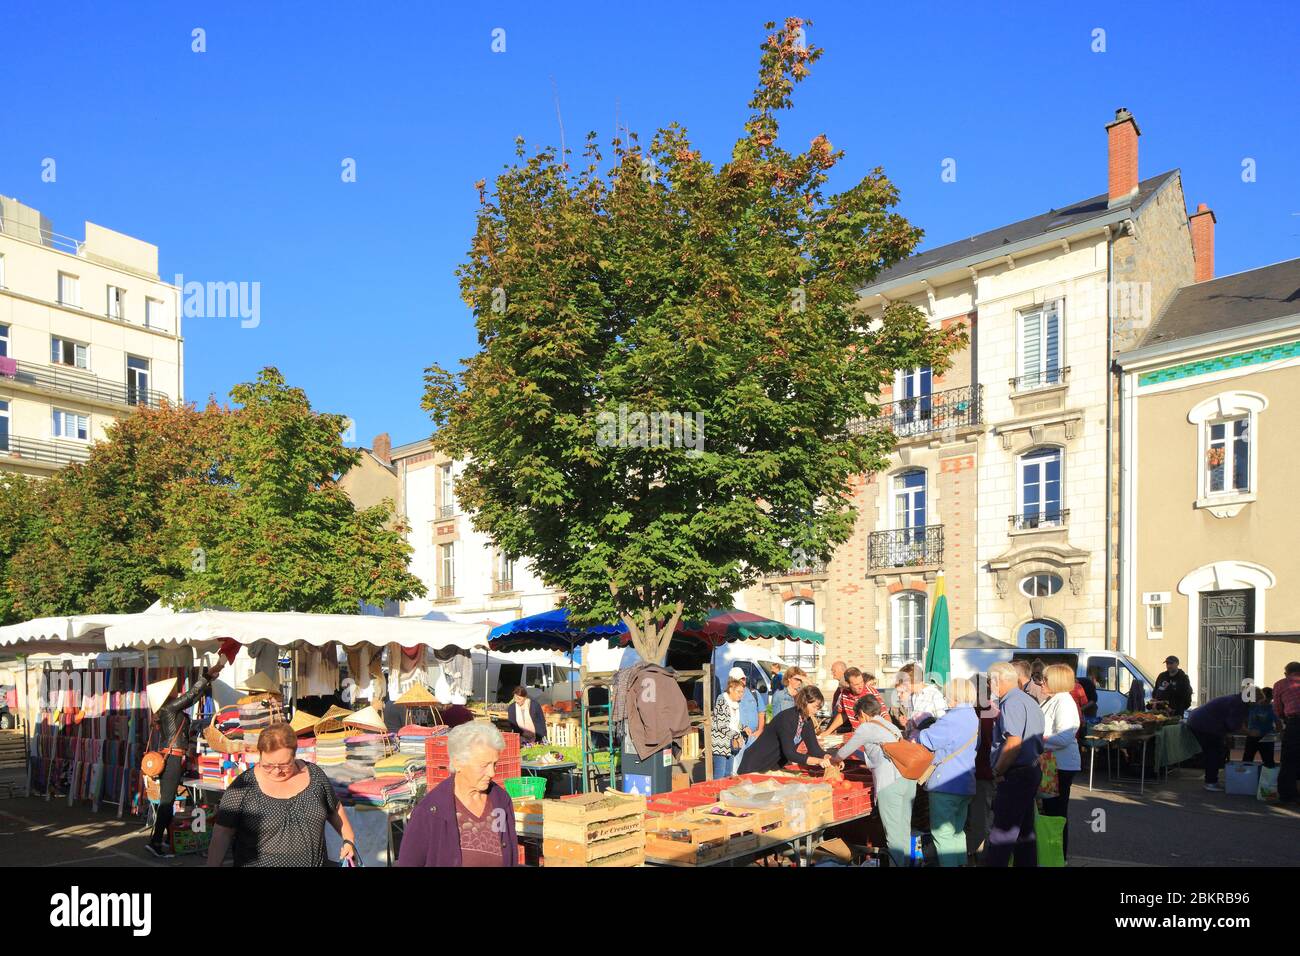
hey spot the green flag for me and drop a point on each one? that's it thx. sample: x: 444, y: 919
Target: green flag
x: 937, y: 662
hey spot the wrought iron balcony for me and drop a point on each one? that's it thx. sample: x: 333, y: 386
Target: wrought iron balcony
x: 446, y: 591
x: 895, y: 661
x: 69, y: 381
x: 48, y: 452
x: 446, y: 511
x: 1039, y: 519
x: 927, y: 414
x: 906, y: 547
x: 1040, y: 379
x: 502, y: 585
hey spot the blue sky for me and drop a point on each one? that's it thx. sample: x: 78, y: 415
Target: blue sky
x: 230, y: 160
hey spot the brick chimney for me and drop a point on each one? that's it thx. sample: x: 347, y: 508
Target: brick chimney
x: 1122, y: 155
x: 382, y: 448
x: 1201, y: 223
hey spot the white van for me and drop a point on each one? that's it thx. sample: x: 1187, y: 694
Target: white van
x: 545, y: 674
x: 1113, y: 672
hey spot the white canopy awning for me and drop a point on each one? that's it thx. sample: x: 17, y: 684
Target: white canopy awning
x: 74, y: 634
x: 202, y: 630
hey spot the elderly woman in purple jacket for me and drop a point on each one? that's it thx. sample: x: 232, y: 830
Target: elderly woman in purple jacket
x: 467, y: 820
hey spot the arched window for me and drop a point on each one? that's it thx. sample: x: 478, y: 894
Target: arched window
x: 800, y: 613
x: 1041, y: 633
x: 909, y: 625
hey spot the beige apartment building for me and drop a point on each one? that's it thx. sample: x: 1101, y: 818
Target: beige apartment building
x: 1005, y: 475
x: 464, y: 571
x: 1211, y: 413
x: 88, y: 331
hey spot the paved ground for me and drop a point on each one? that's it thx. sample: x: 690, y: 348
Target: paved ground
x: 1175, y: 823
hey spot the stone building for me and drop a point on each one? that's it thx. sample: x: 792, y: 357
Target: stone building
x: 1004, y: 478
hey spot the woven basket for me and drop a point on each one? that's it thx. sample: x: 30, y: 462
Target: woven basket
x: 220, y: 742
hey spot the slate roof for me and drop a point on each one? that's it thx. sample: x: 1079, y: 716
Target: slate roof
x: 988, y: 244
x: 1217, y: 305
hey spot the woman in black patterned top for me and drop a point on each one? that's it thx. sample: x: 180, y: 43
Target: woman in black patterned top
x: 275, y: 812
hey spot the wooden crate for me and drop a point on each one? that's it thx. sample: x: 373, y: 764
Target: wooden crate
x: 746, y: 821
x: 13, y: 749
x: 563, y: 731
x: 693, y: 744
x: 594, y: 829
x: 684, y: 839
x: 528, y: 817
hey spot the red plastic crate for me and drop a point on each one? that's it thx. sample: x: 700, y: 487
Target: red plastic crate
x: 435, y: 775
x: 512, y: 745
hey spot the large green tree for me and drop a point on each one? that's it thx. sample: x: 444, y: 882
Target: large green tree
x: 233, y: 507
x: 669, y: 285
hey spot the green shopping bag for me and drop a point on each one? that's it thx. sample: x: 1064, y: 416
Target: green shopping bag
x: 1050, y: 833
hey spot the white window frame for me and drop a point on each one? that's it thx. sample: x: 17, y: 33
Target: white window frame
x: 1041, y: 370
x: 153, y: 313
x: 4, y: 339
x: 2, y: 271
x: 78, y: 349
x: 1060, y: 583
x: 1020, y: 480
x: 898, y: 639
x: 447, y: 487
x: 73, y: 285
x: 119, y: 299
x: 4, y: 414
x: 142, y: 393
x: 1226, y: 407
x: 58, y: 422
x: 447, y: 567
x: 800, y: 612
x: 1155, y: 620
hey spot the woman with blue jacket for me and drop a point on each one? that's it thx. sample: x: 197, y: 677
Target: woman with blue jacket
x: 953, y: 738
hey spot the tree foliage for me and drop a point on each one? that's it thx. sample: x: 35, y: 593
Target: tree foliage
x: 666, y: 284
x: 233, y: 507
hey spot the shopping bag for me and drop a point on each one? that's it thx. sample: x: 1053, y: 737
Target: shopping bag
x: 1050, y: 783
x: 1267, y: 789
x: 1050, y: 833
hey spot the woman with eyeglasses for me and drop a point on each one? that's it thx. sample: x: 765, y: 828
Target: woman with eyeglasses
x: 275, y: 812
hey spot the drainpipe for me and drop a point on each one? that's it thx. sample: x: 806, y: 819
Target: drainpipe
x: 1110, y: 352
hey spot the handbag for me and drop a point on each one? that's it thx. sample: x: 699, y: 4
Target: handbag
x: 910, y: 759
x: 1050, y: 784
x: 153, y: 762
x: 737, y: 743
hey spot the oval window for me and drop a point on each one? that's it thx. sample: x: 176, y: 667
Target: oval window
x: 1040, y: 585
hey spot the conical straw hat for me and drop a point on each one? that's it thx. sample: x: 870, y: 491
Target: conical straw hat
x: 303, y: 722
x: 157, y: 692
x: 336, y: 712
x: 368, y: 719
x: 260, y: 682
x: 418, y: 694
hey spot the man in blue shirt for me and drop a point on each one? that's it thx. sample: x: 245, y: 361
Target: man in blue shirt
x: 1017, y: 745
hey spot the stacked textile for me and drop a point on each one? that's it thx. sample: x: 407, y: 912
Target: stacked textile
x: 307, y: 750
x: 255, y: 715
x: 384, y: 792
x: 210, y: 766
x: 364, y: 749
x: 342, y: 776
x: 332, y: 749
x: 410, y: 739
x: 226, y: 720
x: 399, y: 765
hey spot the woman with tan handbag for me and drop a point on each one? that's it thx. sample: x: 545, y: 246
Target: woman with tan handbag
x: 894, y: 793
x: 174, y: 735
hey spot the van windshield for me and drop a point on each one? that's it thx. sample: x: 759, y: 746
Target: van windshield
x: 1140, y: 671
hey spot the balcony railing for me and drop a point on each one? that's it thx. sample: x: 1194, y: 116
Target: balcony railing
x: 927, y: 414
x: 85, y: 384
x: 446, y: 511
x: 502, y: 585
x: 1040, y: 379
x: 895, y: 661
x: 906, y: 547
x: 35, y: 449
x: 1039, y: 519
x: 446, y: 591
